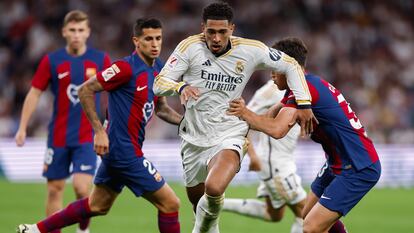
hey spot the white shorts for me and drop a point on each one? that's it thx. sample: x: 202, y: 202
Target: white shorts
x: 280, y: 182
x: 195, y: 159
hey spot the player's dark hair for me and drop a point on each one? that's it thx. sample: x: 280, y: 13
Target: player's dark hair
x: 293, y: 47
x: 142, y: 23
x: 75, y: 16
x: 218, y: 11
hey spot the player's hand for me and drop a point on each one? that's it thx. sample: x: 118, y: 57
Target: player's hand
x: 254, y: 163
x: 189, y: 92
x: 101, y: 143
x: 305, y: 118
x: 20, y: 137
x: 237, y: 107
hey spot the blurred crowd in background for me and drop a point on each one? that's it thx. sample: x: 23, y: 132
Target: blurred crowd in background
x: 364, y: 48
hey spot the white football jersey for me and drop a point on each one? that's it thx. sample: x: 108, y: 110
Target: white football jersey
x: 264, y: 98
x: 220, y: 80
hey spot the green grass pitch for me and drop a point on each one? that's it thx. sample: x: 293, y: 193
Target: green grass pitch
x: 381, y: 211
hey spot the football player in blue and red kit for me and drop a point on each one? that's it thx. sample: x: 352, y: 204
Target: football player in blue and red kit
x: 352, y: 167
x: 131, y: 104
x: 70, y: 134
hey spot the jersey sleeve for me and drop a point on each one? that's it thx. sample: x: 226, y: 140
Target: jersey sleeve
x: 43, y: 75
x: 274, y: 59
x: 117, y: 74
x: 106, y: 61
x: 167, y: 81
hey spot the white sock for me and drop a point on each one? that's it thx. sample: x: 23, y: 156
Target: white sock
x: 248, y: 207
x: 207, y: 214
x: 297, y: 226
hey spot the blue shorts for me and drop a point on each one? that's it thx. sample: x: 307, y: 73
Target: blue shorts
x: 58, y: 161
x: 342, y: 192
x: 140, y: 176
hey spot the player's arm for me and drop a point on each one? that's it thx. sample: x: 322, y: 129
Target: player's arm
x: 86, y: 95
x: 40, y: 82
x: 281, y: 62
x: 29, y: 106
x: 254, y: 159
x: 274, y: 110
x: 276, y: 127
x: 111, y: 78
x: 165, y: 112
x: 167, y: 84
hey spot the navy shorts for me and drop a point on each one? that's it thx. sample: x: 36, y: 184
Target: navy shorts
x: 342, y: 192
x: 140, y: 176
x: 61, y: 162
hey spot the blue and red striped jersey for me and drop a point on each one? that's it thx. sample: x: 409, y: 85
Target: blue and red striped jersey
x: 131, y: 105
x: 65, y: 73
x: 339, y: 131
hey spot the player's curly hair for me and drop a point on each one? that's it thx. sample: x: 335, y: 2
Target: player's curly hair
x: 218, y: 11
x: 142, y: 23
x: 293, y: 47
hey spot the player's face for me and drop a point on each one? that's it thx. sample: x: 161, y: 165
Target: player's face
x: 76, y: 34
x: 280, y: 80
x: 148, y: 45
x: 217, y: 34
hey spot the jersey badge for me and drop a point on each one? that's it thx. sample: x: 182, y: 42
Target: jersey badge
x: 90, y: 72
x: 239, y: 67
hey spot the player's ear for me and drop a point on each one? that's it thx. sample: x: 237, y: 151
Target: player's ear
x: 232, y: 27
x: 203, y: 26
x: 135, y: 40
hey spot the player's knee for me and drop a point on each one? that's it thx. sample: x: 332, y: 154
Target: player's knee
x: 214, y: 189
x: 170, y: 206
x: 99, y: 209
x: 274, y: 216
x: 309, y: 227
x: 55, y: 192
x: 81, y: 191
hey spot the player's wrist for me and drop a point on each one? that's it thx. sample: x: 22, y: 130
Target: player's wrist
x: 180, y: 87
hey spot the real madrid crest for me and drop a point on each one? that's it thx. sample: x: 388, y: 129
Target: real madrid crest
x: 239, y: 67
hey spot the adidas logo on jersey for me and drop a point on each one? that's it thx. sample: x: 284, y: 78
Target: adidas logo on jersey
x: 207, y: 63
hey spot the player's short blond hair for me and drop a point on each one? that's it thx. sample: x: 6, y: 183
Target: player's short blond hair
x: 75, y: 16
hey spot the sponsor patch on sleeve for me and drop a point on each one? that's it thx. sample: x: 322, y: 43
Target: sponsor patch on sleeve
x: 274, y: 54
x: 172, y: 62
x: 110, y: 72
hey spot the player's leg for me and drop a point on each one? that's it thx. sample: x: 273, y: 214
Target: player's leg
x: 143, y: 179
x: 167, y: 203
x: 82, y: 183
x: 56, y: 170
x: 194, y: 194
x: 98, y: 203
x: 319, y: 219
x: 221, y: 170
x: 55, y: 189
x: 107, y: 187
x: 84, y: 166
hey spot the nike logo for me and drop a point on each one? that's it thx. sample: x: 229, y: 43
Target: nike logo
x: 62, y: 75
x: 324, y: 197
x: 85, y: 167
x: 141, y: 88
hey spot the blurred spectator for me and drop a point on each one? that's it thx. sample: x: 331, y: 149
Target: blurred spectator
x: 365, y: 48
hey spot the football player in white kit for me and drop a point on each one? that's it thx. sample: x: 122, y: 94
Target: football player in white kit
x: 280, y: 185
x: 209, y: 70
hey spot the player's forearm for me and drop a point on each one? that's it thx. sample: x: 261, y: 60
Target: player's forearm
x: 29, y: 106
x: 264, y: 124
x: 87, y: 100
x: 164, y: 86
x: 166, y: 113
